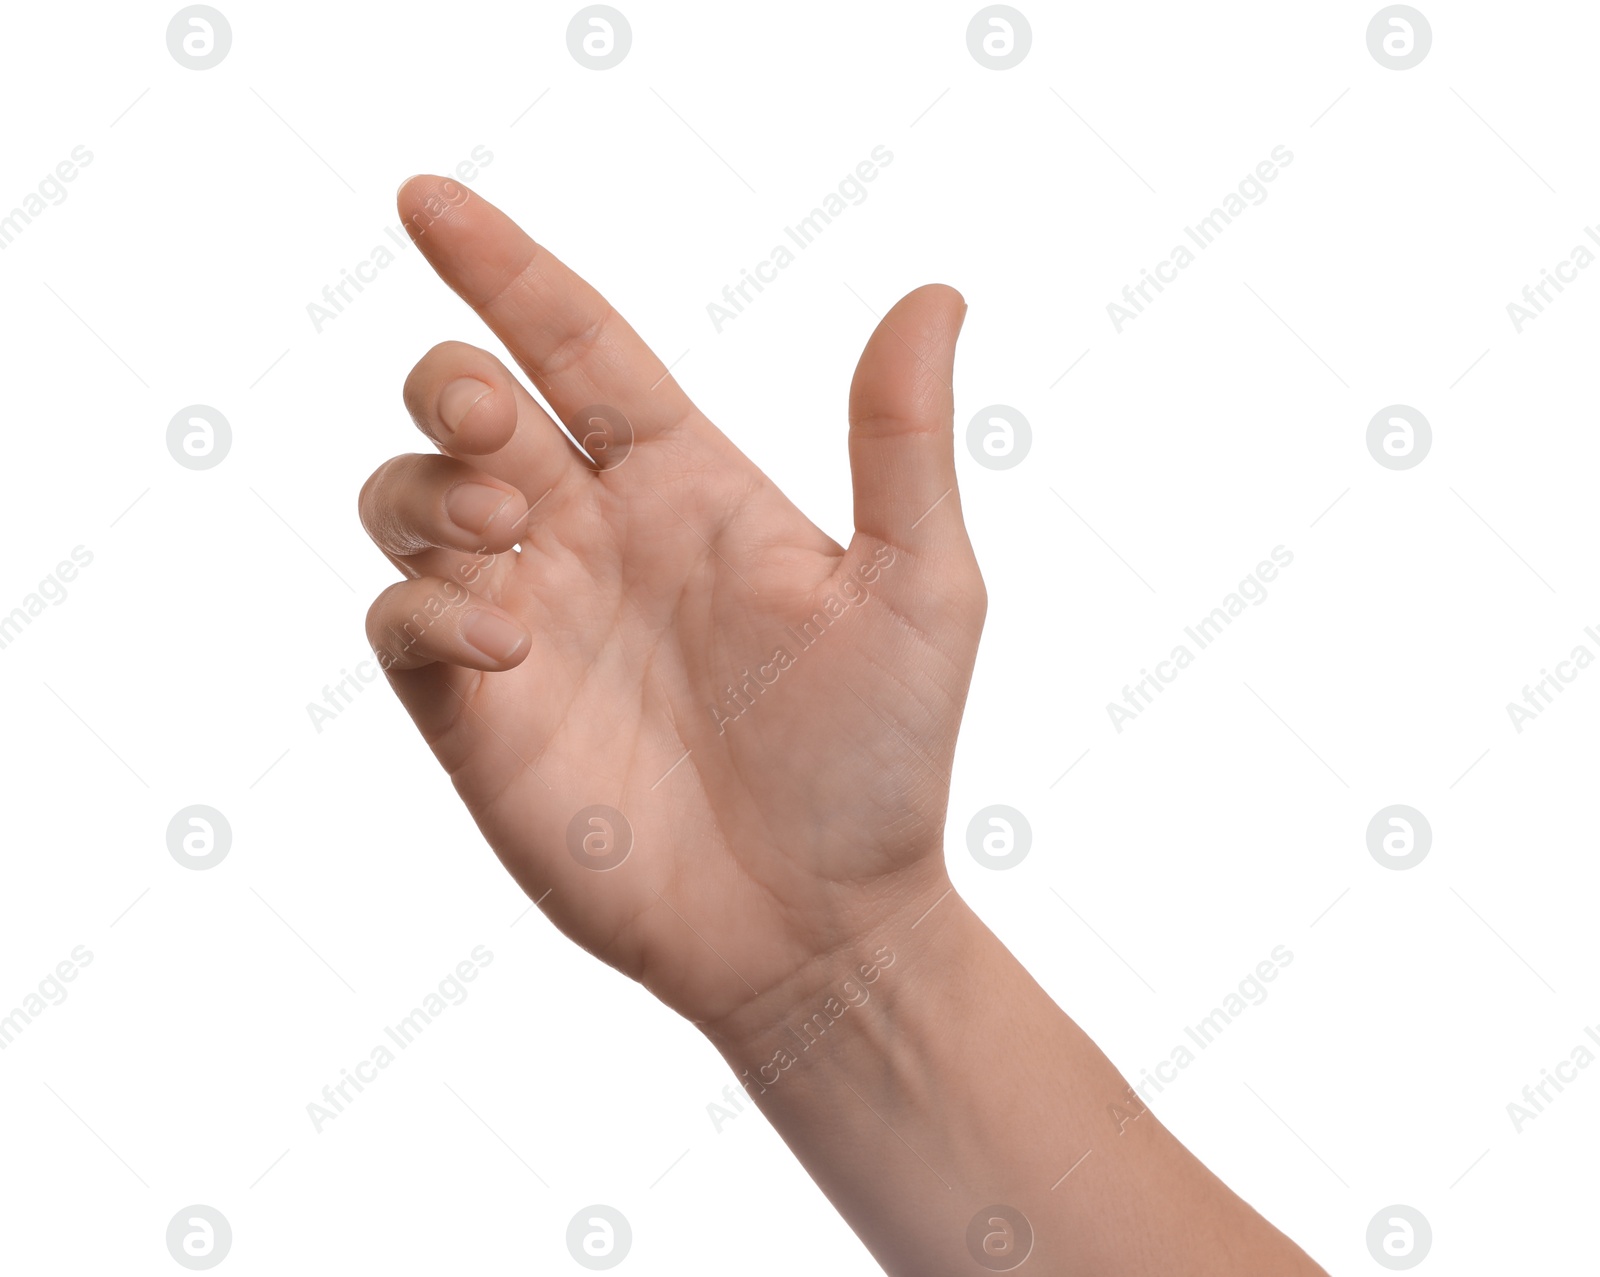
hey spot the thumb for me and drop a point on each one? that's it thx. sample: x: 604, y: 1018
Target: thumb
x: 902, y: 449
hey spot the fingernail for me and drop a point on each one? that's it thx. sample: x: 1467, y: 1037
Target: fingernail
x: 456, y: 400
x: 472, y: 506
x: 494, y: 636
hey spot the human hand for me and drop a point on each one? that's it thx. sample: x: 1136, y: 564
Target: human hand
x: 665, y: 634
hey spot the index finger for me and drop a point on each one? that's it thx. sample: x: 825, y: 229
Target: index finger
x: 574, y: 345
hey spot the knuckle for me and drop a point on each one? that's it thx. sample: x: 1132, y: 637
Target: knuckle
x: 574, y: 348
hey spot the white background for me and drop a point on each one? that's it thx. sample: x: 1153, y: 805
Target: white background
x: 1228, y: 819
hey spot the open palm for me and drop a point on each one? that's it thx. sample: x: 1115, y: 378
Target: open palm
x: 710, y: 742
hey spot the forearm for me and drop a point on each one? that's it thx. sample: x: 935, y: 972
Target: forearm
x: 923, y: 1076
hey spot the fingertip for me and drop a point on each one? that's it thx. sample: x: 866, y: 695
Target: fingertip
x: 425, y: 199
x: 938, y: 302
x: 415, y: 189
x: 413, y: 197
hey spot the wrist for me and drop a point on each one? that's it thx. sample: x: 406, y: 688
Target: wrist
x: 867, y: 988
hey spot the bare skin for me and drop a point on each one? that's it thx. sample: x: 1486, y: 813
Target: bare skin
x: 774, y: 716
